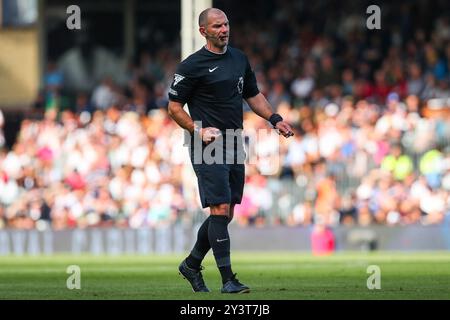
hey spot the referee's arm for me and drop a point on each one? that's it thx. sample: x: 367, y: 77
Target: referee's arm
x: 262, y: 108
x: 181, y: 117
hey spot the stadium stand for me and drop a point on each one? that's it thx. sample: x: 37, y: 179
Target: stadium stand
x: 371, y: 111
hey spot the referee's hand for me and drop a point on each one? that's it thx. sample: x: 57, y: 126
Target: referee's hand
x: 210, y: 134
x: 284, y: 128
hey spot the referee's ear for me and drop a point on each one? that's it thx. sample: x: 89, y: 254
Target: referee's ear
x: 203, y: 31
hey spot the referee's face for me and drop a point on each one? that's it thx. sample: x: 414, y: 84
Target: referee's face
x: 217, y: 31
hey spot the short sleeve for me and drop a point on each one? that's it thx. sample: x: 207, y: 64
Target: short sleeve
x: 184, y: 81
x: 250, y: 85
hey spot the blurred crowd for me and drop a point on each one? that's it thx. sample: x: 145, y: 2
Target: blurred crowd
x: 370, y: 113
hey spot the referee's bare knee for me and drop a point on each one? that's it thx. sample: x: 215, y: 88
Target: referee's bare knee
x: 222, y: 209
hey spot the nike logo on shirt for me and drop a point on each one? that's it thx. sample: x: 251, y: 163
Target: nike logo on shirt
x: 211, y: 70
x: 221, y: 240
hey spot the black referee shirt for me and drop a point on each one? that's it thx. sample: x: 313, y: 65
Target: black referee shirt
x: 213, y: 85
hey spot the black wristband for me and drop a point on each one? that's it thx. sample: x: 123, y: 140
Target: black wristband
x: 275, y: 118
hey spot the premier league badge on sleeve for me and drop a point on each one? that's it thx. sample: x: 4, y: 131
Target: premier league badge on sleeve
x: 177, y: 78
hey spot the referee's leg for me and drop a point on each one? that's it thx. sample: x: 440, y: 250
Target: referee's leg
x: 219, y: 239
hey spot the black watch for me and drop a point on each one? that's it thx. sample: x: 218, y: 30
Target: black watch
x: 275, y: 118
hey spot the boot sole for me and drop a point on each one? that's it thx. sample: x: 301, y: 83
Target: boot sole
x: 239, y: 292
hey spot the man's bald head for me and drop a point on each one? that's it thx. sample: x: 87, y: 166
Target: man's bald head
x: 203, y: 17
x: 214, y: 26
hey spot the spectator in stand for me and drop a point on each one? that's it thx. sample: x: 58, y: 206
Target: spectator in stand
x: 399, y: 164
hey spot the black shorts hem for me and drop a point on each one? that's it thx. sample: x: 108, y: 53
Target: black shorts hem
x: 207, y: 203
x: 236, y: 201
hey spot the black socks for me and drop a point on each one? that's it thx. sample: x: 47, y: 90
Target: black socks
x: 226, y: 273
x: 213, y: 233
x: 201, y: 246
x: 219, y: 240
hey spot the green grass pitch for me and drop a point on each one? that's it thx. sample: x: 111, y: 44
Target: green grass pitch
x: 271, y: 275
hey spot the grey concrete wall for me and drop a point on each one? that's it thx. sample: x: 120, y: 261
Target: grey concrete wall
x: 178, y: 239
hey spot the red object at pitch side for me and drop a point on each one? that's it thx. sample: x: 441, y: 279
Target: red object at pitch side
x: 322, y: 240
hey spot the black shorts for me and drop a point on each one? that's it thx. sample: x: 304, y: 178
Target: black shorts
x: 220, y: 183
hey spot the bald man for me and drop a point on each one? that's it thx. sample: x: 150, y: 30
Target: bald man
x: 213, y: 82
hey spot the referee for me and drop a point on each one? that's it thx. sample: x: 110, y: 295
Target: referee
x: 213, y: 81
